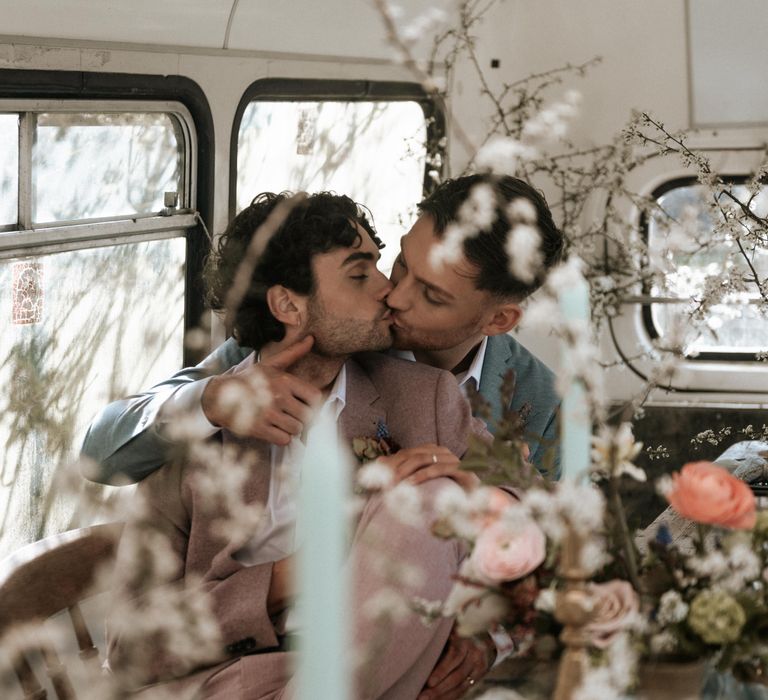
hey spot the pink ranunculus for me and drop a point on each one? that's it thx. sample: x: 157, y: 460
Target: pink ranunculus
x: 707, y: 493
x: 504, y: 553
x: 616, y: 602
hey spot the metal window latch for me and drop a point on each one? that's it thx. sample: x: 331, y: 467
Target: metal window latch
x: 170, y: 202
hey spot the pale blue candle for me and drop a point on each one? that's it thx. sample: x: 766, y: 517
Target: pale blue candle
x: 575, y: 419
x: 324, y: 602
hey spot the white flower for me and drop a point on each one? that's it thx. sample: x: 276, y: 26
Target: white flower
x: 523, y: 247
x: 448, y: 249
x: 522, y: 211
x: 672, y: 608
x: 479, y: 209
x: 404, y: 502
x: 546, y: 599
x: 613, y: 451
x: 582, y: 505
x: 375, y: 476
x: 502, y: 155
x: 663, y: 643
x: 386, y: 603
x: 593, y: 555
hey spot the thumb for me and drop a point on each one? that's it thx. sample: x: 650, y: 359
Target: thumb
x: 292, y: 354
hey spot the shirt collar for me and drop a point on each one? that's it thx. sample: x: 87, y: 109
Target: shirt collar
x: 473, y: 373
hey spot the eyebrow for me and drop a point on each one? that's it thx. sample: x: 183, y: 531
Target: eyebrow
x: 421, y: 280
x: 354, y: 257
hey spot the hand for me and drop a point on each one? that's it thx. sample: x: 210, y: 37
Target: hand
x: 281, y: 587
x: 462, y: 659
x: 286, y: 400
x: 425, y: 462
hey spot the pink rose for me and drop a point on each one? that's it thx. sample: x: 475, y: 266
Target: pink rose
x: 502, y: 553
x: 707, y: 493
x: 615, y: 603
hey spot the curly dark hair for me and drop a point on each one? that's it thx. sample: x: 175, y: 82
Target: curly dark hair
x: 317, y: 224
x: 486, y: 250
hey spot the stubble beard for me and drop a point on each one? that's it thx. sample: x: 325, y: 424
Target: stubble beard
x: 339, y: 336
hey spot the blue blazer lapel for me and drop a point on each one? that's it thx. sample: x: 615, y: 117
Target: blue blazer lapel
x: 495, y: 366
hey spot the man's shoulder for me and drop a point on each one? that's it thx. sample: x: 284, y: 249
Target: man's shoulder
x: 508, y: 349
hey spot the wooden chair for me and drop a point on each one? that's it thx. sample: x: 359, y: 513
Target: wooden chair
x: 45, y: 578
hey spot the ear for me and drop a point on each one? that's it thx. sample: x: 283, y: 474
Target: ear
x: 505, y: 317
x: 286, y: 306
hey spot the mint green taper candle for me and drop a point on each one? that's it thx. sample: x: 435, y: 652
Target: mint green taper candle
x: 575, y: 420
x: 324, y: 600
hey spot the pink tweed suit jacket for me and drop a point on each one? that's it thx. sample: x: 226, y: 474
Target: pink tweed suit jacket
x: 419, y: 404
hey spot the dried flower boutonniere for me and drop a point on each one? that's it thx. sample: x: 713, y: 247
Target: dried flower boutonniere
x: 370, y: 448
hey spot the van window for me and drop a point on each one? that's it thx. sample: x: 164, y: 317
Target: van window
x: 92, y: 265
x: 372, y: 151
x: 9, y: 168
x: 134, y: 158
x: 693, y: 263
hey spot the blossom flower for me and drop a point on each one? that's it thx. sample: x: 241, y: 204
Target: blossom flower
x: 616, y: 605
x: 707, y: 493
x: 375, y: 476
x: 672, y: 608
x: 506, y: 554
x: 716, y: 617
x: 476, y: 608
x: 613, y: 452
x: 523, y: 247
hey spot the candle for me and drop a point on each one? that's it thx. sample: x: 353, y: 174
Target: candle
x: 575, y: 420
x: 323, y: 591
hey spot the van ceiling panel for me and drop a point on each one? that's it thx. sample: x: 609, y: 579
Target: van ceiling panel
x: 329, y: 28
x: 199, y: 23
x: 729, y: 54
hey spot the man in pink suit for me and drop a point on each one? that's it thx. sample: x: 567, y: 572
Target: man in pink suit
x: 316, y: 276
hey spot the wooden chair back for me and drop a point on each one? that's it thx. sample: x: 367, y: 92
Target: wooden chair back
x: 45, y: 578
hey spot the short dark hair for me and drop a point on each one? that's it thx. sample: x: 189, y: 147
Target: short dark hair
x: 317, y: 224
x: 486, y: 250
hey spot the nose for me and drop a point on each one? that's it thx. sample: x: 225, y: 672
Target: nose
x: 385, y: 288
x: 398, y: 297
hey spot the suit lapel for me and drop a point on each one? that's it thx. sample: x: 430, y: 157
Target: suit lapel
x: 362, y: 410
x: 497, y: 356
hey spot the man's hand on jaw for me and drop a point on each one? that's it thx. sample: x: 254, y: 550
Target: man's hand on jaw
x: 425, y: 462
x: 288, y: 401
x: 461, y: 665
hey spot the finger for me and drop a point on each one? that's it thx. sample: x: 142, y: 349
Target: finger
x: 294, y: 408
x: 423, y: 462
x: 274, y: 436
x: 303, y: 391
x: 290, y: 355
x: 282, y: 421
x: 412, y: 464
x: 466, y: 480
x: 452, y: 658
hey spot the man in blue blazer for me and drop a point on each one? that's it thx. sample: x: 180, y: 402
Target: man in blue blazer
x: 453, y: 313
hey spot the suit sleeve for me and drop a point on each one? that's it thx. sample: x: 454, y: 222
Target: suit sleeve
x: 235, y: 595
x: 123, y: 442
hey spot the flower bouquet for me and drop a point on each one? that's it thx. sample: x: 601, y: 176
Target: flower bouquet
x: 563, y: 554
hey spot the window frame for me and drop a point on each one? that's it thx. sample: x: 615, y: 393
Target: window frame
x: 324, y: 90
x: 646, y: 311
x: 96, y: 89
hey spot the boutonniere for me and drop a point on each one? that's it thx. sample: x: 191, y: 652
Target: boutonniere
x: 382, y: 444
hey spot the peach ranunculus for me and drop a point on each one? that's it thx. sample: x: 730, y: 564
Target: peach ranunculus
x: 707, y: 493
x: 506, y: 553
x: 616, y: 603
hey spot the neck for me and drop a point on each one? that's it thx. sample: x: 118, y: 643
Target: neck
x: 456, y: 359
x: 318, y: 370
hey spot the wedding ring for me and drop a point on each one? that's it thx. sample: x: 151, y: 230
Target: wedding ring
x: 434, y: 458
x: 471, y: 680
